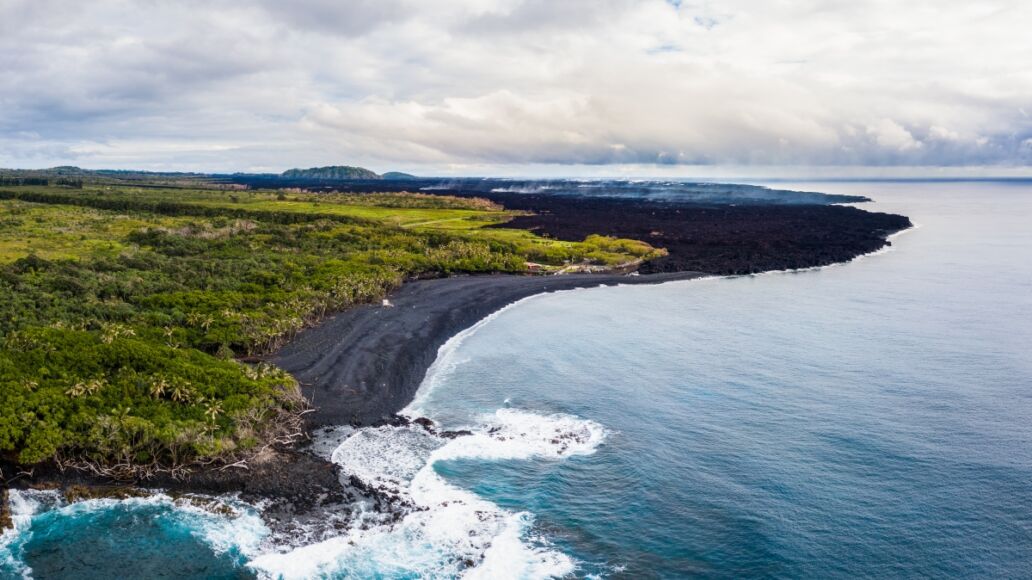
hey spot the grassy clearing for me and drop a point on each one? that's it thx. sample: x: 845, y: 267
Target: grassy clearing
x: 90, y: 231
x: 392, y: 209
x: 61, y: 232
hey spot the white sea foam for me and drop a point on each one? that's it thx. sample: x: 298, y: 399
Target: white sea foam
x: 448, y: 531
x: 387, y: 457
x: 23, y: 505
x: 244, y: 531
x: 509, y: 556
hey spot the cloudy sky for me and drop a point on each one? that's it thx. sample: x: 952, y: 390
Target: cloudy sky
x: 510, y: 87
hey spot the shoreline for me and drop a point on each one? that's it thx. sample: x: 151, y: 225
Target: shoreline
x: 301, y: 494
x: 351, y: 360
x: 361, y: 367
x: 364, y: 366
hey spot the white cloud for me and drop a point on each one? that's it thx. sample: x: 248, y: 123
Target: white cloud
x: 238, y: 85
x: 893, y: 136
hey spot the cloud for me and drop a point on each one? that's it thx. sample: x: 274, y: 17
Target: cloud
x: 351, y: 18
x: 240, y: 85
x: 891, y: 136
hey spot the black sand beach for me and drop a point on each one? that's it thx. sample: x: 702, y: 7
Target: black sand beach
x: 364, y: 365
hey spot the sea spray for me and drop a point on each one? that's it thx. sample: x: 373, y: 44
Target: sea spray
x: 23, y: 506
x: 444, y: 531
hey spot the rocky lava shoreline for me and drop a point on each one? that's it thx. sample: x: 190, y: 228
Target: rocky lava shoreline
x: 716, y: 239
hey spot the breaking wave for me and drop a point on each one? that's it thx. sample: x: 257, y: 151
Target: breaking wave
x: 435, y: 529
x: 441, y: 530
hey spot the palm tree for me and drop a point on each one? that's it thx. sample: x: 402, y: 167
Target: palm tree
x: 213, y: 410
x: 109, y: 332
x: 81, y: 389
x: 158, y: 388
x: 169, y: 333
x: 182, y: 392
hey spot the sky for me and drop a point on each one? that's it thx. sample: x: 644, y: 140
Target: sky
x: 520, y: 87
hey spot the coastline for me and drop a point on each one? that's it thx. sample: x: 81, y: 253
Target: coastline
x: 367, y: 363
x: 364, y: 365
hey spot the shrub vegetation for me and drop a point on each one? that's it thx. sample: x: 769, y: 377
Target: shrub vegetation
x: 127, y: 314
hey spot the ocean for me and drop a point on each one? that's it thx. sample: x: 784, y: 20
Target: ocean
x: 869, y: 419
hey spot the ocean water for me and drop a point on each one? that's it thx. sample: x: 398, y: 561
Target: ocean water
x: 149, y: 537
x: 871, y: 419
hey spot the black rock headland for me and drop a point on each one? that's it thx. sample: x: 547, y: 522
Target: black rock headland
x: 717, y: 239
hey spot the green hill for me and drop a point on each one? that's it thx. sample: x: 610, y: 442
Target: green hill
x: 397, y: 175
x: 330, y: 173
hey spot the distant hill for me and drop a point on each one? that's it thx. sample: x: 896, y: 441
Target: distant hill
x: 330, y: 173
x: 397, y: 175
x: 66, y: 170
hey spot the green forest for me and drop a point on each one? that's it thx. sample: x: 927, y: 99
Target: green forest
x: 132, y: 318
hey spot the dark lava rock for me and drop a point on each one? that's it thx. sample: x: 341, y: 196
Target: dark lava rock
x: 721, y: 239
x: 5, y: 511
x: 424, y: 423
x: 292, y: 478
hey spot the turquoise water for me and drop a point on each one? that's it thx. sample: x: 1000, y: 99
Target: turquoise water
x: 155, y: 537
x: 872, y: 419
x: 868, y: 419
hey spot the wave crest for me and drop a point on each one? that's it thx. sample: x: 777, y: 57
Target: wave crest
x: 443, y: 531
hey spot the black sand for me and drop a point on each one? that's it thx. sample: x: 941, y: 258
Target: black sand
x: 364, y: 365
